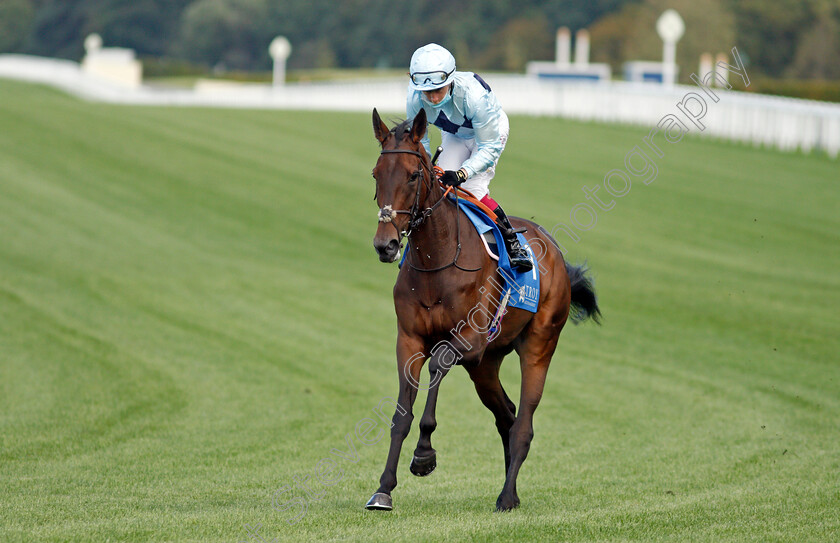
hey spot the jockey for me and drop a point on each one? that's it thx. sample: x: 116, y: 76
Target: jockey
x: 474, y: 130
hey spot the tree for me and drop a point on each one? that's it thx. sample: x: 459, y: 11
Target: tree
x: 227, y: 32
x: 147, y: 26
x: 612, y: 37
x: 16, y: 18
x: 818, y: 52
x: 517, y: 42
x: 59, y: 27
x: 58, y: 30
x: 631, y: 33
x: 779, y: 37
x: 769, y: 31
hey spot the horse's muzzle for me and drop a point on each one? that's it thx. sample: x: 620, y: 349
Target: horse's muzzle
x: 388, y: 251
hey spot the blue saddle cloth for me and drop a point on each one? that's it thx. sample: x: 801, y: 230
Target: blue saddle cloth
x: 524, y: 286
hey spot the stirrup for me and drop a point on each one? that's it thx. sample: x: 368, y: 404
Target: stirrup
x: 518, y: 256
x: 509, y: 231
x: 520, y: 261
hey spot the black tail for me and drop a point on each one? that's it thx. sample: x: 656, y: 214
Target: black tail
x: 584, y: 301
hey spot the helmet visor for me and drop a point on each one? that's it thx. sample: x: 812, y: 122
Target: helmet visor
x: 430, y: 78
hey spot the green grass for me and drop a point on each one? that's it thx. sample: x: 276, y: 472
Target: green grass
x: 192, y: 315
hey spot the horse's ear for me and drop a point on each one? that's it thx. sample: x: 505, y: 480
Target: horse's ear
x: 380, y: 130
x: 418, y: 126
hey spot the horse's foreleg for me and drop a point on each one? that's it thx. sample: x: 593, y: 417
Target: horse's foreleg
x: 410, y: 360
x: 425, y: 458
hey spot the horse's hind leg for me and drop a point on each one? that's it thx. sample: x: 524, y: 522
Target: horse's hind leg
x: 425, y: 457
x: 535, y: 356
x: 485, y: 377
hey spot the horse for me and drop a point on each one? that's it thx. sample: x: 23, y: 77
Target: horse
x: 441, y: 285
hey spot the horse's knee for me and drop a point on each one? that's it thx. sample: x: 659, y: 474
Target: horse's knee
x: 521, y: 436
x: 401, y: 425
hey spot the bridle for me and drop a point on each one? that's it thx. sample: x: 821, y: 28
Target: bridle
x: 416, y: 216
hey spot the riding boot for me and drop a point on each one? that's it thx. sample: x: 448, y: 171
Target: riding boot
x: 518, y: 256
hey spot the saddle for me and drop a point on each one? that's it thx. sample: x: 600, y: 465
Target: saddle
x: 489, y: 239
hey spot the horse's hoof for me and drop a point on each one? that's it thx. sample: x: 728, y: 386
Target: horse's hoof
x: 506, y: 504
x: 423, y: 465
x: 380, y: 502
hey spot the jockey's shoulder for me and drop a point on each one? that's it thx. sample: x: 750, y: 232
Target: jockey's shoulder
x: 473, y: 95
x: 471, y: 82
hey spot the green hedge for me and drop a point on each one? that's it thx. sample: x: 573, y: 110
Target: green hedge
x: 828, y: 91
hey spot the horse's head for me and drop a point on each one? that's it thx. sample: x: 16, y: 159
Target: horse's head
x: 403, y: 181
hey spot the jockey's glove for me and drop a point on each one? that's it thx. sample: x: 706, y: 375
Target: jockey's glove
x: 453, y: 178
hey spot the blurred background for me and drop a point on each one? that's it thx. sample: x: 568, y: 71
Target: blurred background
x: 791, y: 47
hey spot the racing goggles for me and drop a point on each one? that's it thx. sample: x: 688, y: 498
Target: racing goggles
x: 427, y: 78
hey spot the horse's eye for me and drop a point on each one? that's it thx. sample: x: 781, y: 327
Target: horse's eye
x: 414, y: 177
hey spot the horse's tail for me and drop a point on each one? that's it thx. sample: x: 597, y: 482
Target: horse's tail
x: 584, y: 301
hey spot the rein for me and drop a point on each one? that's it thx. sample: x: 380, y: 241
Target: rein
x: 416, y: 217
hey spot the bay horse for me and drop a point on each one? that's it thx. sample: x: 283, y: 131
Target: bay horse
x: 442, y: 285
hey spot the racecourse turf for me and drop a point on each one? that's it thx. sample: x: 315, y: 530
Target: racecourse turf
x: 192, y: 316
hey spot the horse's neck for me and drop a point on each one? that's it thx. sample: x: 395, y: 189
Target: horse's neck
x: 435, y: 242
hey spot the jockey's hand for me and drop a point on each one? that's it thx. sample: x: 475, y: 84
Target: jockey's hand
x: 453, y: 178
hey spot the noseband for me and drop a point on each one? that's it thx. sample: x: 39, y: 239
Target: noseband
x: 416, y: 216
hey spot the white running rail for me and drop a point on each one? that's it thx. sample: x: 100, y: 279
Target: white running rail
x: 788, y: 124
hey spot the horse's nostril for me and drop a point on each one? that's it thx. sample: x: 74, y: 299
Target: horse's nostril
x: 391, y: 246
x: 387, y: 250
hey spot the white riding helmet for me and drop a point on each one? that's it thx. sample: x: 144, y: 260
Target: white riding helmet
x: 432, y: 67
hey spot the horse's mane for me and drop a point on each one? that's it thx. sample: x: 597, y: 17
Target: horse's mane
x: 402, y: 128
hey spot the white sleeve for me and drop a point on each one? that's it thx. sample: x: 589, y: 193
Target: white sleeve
x: 485, y: 113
